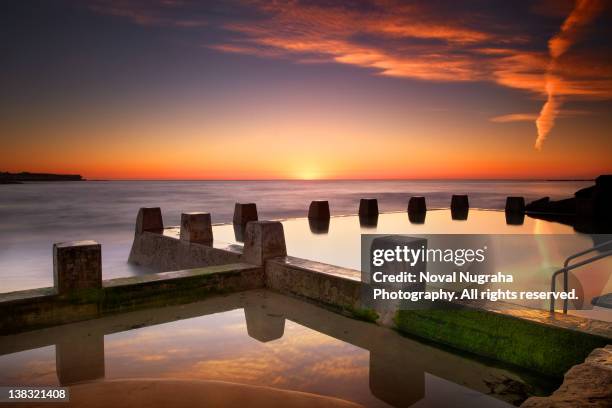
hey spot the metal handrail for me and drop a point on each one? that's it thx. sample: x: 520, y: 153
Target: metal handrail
x: 566, y: 264
x: 566, y: 268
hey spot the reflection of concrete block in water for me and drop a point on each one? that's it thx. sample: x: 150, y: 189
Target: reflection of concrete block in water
x: 460, y: 214
x: 264, y: 240
x: 368, y: 207
x: 416, y: 205
x: 398, y: 383
x: 417, y: 218
x: 515, y: 205
x: 80, y: 359
x: 368, y: 221
x: 513, y: 218
x: 244, y: 213
x: 320, y: 226
x: 318, y: 210
x: 262, y: 325
x: 77, y: 265
x: 196, y: 227
x: 149, y: 219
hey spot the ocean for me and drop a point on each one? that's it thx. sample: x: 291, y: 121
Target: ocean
x: 35, y: 215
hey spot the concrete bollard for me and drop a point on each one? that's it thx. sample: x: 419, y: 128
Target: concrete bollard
x: 515, y: 205
x: 196, y: 227
x: 244, y: 213
x: 368, y: 207
x: 460, y: 202
x: 149, y: 219
x: 263, y: 240
x: 77, y: 265
x: 319, y: 210
x: 460, y: 207
x: 416, y: 205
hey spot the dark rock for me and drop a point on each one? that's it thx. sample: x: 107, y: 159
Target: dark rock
x: 585, y: 385
x: 14, y: 178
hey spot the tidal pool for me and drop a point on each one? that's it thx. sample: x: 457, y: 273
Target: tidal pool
x: 263, y: 338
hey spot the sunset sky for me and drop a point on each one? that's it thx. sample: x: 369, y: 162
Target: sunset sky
x: 182, y: 89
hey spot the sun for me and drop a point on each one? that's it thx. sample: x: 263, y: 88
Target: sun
x: 308, y: 174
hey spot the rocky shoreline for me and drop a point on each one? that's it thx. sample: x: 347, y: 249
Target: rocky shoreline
x: 20, y: 178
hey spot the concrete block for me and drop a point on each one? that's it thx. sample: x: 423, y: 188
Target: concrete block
x: 77, y: 265
x: 263, y: 240
x: 460, y: 207
x: 368, y: 207
x: 245, y: 212
x: 196, y: 227
x: 149, y: 219
x: 460, y: 202
x: 319, y: 210
x: 515, y: 205
x: 416, y: 205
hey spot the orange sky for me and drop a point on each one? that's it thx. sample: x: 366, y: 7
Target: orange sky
x: 271, y: 90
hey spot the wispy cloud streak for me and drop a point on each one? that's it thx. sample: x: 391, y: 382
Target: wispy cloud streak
x: 425, y: 41
x: 571, y: 30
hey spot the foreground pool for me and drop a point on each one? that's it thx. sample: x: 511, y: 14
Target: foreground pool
x: 263, y: 338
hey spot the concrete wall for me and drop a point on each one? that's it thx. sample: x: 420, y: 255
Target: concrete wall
x: 27, y: 310
x: 163, y: 253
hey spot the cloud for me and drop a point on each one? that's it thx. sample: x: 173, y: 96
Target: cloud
x: 533, y: 117
x: 150, y: 13
x: 571, y: 31
x: 425, y: 41
x: 515, y: 117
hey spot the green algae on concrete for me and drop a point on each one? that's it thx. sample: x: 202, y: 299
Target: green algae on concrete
x: 365, y: 314
x: 543, y: 348
x: 28, y: 310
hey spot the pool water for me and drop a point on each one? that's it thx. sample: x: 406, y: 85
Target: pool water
x: 531, y: 251
x: 263, y: 338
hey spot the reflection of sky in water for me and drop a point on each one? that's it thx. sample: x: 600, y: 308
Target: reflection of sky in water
x: 531, y: 252
x: 348, y: 359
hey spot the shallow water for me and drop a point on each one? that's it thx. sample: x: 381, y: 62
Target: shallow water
x: 34, y: 216
x: 530, y: 252
x: 262, y: 338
